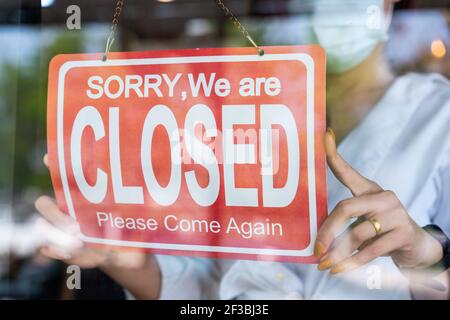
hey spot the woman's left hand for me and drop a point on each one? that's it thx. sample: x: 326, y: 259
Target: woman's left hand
x: 383, y: 226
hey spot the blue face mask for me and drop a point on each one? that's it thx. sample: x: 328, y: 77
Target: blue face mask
x: 349, y: 31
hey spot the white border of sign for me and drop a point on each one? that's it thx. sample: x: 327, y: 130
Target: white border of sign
x: 302, y: 57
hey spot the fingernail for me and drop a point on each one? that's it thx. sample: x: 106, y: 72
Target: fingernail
x: 325, y: 264
x: 319, y: 249
x: 57, y: 253
x: 65, y: 256
x: 330, y: 131
x: 330, y: 146
x: 339, y: 268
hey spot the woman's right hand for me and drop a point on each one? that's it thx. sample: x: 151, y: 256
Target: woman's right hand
x: 62, y: 241
x: 136, y: 271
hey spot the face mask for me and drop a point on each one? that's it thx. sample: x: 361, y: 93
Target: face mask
x: 349, y: 31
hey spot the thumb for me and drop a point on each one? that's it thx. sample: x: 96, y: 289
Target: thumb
x: 348, y: 176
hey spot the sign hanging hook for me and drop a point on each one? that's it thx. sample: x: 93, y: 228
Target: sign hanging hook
x: 238, y: 25
x: 221, y: 5
x: 112, y: 33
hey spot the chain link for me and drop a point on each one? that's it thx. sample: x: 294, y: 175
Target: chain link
x: 112, y: 33
x: 238, y: 25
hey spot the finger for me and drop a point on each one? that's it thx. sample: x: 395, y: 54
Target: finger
x: 354, y: 181
x: 53, y: 236
x: 347, y: 243
x: 343, y: 212
x: 45, y: 160
x: 85, y: 259
x: 56, y: 253
x: 50, y: 211
x: 383, y: 245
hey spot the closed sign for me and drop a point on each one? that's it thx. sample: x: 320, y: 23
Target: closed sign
x: 206, y: 152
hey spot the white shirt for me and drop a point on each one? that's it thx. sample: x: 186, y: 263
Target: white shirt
x: 403, y: 144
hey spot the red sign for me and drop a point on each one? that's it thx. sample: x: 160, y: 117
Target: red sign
x: 206, y: 152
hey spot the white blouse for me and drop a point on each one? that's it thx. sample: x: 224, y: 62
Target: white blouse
x: 404, y: 145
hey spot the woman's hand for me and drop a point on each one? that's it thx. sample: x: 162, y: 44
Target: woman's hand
x: 136, y: 271
x: 62, y: 240
x: 383, y: 226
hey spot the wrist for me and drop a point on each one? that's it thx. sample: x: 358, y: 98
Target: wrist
x: 441, y: 257
x: 142, y: 281
x: 433, y: 252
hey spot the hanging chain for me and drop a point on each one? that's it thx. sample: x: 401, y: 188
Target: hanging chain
x: 238, y: 25
x: 220, y: 4
x: 112, y: 33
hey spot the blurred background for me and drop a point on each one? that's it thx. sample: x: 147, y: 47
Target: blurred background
x: 32, y: 32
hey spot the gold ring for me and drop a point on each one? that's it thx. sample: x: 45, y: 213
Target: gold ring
x: 376, y: 225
